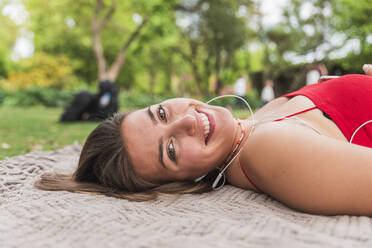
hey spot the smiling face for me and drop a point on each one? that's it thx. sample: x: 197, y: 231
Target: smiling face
x: 178, y: 139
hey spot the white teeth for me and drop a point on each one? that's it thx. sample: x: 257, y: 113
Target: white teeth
x: 205, y: 121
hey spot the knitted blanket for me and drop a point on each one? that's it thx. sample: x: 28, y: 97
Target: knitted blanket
x: 230, y: 217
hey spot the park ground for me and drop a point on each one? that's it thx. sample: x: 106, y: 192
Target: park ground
x: 23, y: 130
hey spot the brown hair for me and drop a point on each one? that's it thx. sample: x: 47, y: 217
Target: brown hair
x: 105, y: 168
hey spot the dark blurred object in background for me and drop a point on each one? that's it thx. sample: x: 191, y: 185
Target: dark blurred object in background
x: 93, y: 107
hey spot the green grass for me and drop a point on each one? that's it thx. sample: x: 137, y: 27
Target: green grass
x: 37, y: 128
x: 23, y: 130
x: 242, y: 114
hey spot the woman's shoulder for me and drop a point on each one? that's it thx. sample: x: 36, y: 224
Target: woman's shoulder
x: 303, y: 169
x: 278, y: 146
x: 279, y: 143
x: 270, y: 106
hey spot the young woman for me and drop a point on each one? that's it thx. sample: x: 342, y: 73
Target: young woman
x: 297, y: 150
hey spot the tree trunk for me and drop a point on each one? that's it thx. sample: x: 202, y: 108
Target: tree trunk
x: 104, y: 72
x: 114, y: 69
x: 207, y: 66
x: 194, y: 66
x: 97, y: 26
x: 111, y: 73
x: 98, y: 51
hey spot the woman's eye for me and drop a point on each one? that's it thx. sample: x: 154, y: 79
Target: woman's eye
x: 161, y: 113
x: 171, y: 151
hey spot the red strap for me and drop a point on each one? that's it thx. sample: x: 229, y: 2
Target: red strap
x: 245, y: 174
x: 303, y: 111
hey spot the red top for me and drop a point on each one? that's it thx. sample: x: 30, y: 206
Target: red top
x: 347, y: 100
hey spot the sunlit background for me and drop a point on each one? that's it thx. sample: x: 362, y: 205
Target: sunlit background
x: 156, y: 49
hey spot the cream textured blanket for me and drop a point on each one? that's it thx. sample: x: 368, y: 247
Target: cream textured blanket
x: 230, y: 217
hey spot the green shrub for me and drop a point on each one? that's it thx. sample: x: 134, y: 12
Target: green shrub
x: 36, y: 96
x: 50, y: 97
x: 2, y: 96
x: 42, y: 70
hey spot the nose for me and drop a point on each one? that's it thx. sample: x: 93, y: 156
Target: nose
x: 185, y: 124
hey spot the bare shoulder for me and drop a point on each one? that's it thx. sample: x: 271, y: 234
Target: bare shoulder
x: 310, y: 172
x: 274, y: 104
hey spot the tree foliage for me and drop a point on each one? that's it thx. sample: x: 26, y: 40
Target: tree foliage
x: 8, y: 34
x: 186, y: 46
x: 353, y: 19
x: 42, y: 70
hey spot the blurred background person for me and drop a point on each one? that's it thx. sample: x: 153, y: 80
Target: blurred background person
x: 312, y: 77
x: 267, y: 93
x: 240, y: 89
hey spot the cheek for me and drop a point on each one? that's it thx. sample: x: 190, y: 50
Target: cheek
x: 197, y: 161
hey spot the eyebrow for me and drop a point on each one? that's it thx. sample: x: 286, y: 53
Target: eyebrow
x: 152, y: 117
x: 161, y: 153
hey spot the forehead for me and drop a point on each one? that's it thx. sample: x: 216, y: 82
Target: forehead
x: 141, y: 139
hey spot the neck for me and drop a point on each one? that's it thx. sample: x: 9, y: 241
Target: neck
x: 248, y: 129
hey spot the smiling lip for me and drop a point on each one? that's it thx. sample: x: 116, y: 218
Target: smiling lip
x: 212, y: 124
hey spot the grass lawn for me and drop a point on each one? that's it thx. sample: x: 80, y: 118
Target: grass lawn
x: 23, y: 130
x: 36, y: 128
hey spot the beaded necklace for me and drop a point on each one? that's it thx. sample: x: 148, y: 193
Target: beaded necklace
x: 230, y: 159
x: 237, y: 144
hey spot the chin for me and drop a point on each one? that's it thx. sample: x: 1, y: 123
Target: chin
x: 226, y: 118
